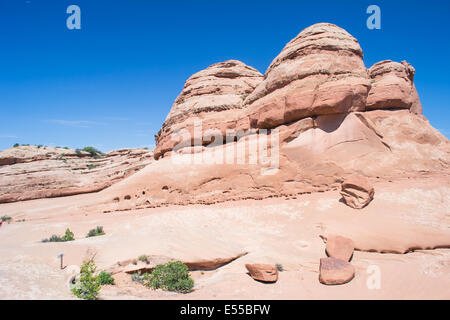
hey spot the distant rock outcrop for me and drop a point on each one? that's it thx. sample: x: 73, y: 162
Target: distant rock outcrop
x: 30, y: 172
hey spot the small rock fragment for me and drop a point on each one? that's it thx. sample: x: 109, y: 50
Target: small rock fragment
x: 340, y: 247
x: 357, y: 191
x: 263, y: 272
x: 335, y: 271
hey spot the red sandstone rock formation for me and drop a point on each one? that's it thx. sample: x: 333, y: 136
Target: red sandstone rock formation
x: 319, y: 72
x: 214, y: 96
x: 334, y: 118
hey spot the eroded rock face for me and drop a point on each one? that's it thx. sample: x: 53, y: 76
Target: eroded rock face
x: 214, y: 96
x: 29, y: 172
x: 335, y: 271
x: 263, y: 272
x: 393, y: 87
x: 357, y: 191
x: 319, y: 72
x: 340, y: 247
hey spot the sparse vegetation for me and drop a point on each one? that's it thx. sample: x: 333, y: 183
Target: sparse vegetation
x: 16, y: 145
x: 6, y: 219
x: 96, y: 232
x: 91, y: 166
x: 88, y: 286
x: 279, y: 267
x: 78, y: 152
x: 172, y: 276
x: 105, y: 278
x: 68, y: 236
x: 143, y: 258
x: 134, y: 262
x: 139, y: 277
x: 93, y: 151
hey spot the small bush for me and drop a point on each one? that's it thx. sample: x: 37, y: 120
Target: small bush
x: 68, y: 236
x: 91, y: 166
x: 105, y: 278
x: 93, y: 151
x: 16, y: 145
x: 279, y: 267
x: 172, y: 276
x: 134, y: 262
x: 78, y: 152
x: 88, y: 286
x: 143, y: 258
x: 6, y: 219
x: 95, y: 232
x: 139, y: 277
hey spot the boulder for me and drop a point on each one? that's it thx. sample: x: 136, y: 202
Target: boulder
x: 321, y: 71
x: 339, y: 247
x: 357, y: 191
x: 393, y: 87
x: 335, y: 271
x: 263, y: 272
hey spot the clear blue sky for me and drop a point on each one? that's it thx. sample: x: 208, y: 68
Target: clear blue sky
x: 112, y: 83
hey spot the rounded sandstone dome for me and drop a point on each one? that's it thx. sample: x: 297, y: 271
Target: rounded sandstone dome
x: 212, y: 95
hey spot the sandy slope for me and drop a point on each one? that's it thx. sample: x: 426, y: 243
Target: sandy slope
x: 405, y: 215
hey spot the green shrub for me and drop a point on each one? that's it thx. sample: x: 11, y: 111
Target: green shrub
x: 279, y: 267
x: 78, y: 152
x: 105, y: 278
x: 68, y: 236
x: 139, y: 277
x: 88, y: 286
x: 95, y: 232
x: 93, y: 151
x: 143, y: 258
x: 172, y: 276
x: 16, y: 145
x: 6, y: 219
x: 91, y: 166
